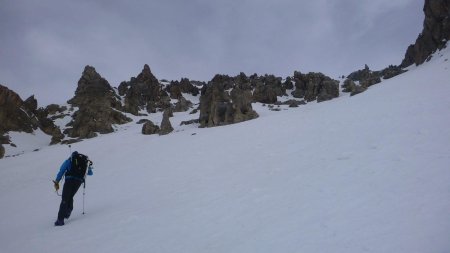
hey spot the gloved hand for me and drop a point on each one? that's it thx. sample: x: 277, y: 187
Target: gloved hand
x: 56, y: 185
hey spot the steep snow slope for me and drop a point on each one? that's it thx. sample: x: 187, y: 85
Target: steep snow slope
x: 368, y: 173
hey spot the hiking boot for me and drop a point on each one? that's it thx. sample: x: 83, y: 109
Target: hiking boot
x: 59, y: 223
x: 67, y: 216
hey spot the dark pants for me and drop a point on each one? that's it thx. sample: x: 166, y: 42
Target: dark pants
x: 71, y: 187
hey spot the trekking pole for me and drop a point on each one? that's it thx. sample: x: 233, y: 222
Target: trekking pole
x: 84, y: 193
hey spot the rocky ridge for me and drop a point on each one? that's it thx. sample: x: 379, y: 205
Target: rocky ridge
x: 224, y: 101
x: 360, y: 80
x: 17, y: 115
x: 435, y: 33
x: 97, y: 107
x: 143, y: 92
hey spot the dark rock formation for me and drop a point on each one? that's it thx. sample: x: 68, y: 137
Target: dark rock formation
x: 175, y: 88
x: 46, y: 117
x: 267, y: 88
x: 3, y: 140
x: 219, y: 107
x: 182, y: 105
x: 365, y: 77
x: 194, y: 111
x: 54, y: 108
x: 227, y: 100
x: 435, y: 33
x: 315, y: 86
x: 189, y: 122
x: 98, y: 107
x: 242, y: 105
x: 142, y: 121
x: 350, y: 86
x: 48, y: 127
x: 391, y: 71
x: 215, y: 106
x: 169, y: 112
x: 93, y: 89
x: 31, y: 104
x: 53, y: 115
x: 166, y: 127
x: 144, y: 92
x: 293, y: 103
x: 14, y: 114
x: 288, y: 84
x: 149, y: 128
x: 24, y: 116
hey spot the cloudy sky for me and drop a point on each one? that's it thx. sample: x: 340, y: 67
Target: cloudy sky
x: 45, y: 44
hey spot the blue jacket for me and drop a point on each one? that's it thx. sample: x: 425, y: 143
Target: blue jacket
x: 67, y: 164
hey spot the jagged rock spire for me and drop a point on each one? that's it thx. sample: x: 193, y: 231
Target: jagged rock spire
x: 435, y: 33
x: 14, y: 116
x: 98, y: 106
x: 93, y: 88
x: 144, y: 92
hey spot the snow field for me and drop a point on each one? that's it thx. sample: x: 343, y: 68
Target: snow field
x: 367, y: 173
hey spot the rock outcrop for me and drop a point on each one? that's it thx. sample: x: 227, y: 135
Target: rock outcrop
x: 47, y: 125
x: 266, y: 88
x: 222, y: 102
x: 292, y: 103
x: 365, y: 77
x: 177, y: 88
x: 149, y: 128
x: 315, y: 86
x: 54, y: 108
x: 353, y: 88
x: 25, y: 116
x: 98, y: 107
x: 358, y: 81
x: 166, y: 127
x: 435, y: 33
x: 144, y: 92
x: 31, y: 104
x: 14, y: 113
x: 391, y: 71
x: 3, y: 140
x: 242, y: 110
x: 182, y: 105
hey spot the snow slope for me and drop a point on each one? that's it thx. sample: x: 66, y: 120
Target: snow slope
x: 368, y: 173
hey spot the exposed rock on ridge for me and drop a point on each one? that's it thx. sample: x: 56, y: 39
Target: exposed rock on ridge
x: 149, y: 128
x: 435, y: 33
x: 98, y: 106
x: 219, y: 106
x: 14, y: 114
x: 2, y: 151
x: 166, y: 126
x: 266, y: 88
x: 23, y: 116
x: 315, y: 86
x: 175, y: 88
x: 144, y: 92
x: 360, y: 80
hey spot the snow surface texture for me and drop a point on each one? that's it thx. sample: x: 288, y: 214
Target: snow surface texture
x: 368, y: 173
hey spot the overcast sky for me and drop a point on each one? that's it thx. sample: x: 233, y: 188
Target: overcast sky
x: 45, y: 44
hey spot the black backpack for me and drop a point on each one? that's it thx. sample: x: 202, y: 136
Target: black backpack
x: 79, y: 166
